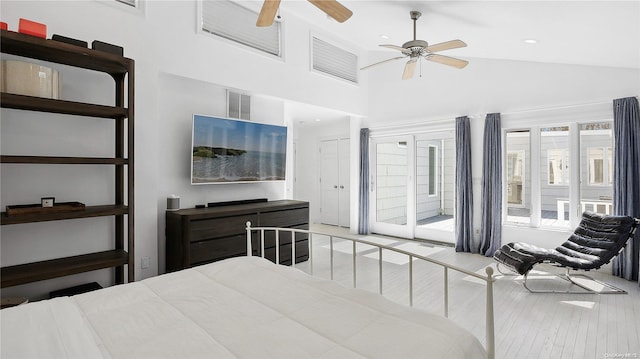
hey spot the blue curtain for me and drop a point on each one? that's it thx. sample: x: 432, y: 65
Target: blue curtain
x: 464, y: 187
x: 491, y: 225
x: 363, y: 212
x: 626, y: 179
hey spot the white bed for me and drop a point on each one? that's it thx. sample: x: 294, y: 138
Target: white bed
x: 244, y: 307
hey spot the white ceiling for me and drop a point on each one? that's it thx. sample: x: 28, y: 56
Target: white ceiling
x: 594, y: 33
x: 598, y: 33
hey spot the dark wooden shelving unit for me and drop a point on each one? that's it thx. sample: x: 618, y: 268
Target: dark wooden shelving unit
x: 121, y: 70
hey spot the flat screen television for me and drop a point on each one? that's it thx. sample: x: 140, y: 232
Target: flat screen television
x: 234, y: 151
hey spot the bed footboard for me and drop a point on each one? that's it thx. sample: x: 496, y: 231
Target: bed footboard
x: 488, y: 279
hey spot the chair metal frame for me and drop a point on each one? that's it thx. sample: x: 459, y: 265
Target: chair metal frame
x: 567, y: 276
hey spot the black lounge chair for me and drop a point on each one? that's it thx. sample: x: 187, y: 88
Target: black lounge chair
x: 597, y: 240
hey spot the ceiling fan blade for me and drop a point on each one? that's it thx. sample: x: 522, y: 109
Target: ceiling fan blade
x: 446, y: 60
x: 382, y: 62
x: 334, y: 9
x: 453, y: 44
x: 268, y: 12
x: 399, y: 48
x: 408, y: 69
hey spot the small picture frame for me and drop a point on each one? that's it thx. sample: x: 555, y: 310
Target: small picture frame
x: 48, y: 201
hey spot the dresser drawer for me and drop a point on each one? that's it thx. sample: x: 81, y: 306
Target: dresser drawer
x: 284, y: 218
x: 220, y: 227
x: 216, y: 249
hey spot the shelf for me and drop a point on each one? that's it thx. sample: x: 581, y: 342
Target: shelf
x: 42, y: 104
x: 59, y: 52
x: 122, y: 70
x: 32, y: 272
x: 90, y: 211
x: 64, y: 160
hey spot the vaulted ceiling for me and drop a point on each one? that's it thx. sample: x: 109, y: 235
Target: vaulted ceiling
x: 597, y: 33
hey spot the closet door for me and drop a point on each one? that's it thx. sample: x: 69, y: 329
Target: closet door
x: 329, y: 183
x: 343, y: 183
x: 334, y: 182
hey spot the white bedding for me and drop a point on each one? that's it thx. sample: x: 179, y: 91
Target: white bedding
x: 242, y: 307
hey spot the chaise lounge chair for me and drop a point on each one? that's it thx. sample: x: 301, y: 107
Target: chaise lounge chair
x: 597, y: 240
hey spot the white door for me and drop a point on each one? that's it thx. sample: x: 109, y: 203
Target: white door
x: 392, y: 187
x: 435, y: 183
x: 329, y: 182
x: 334, y: 182
x: 343, y: 183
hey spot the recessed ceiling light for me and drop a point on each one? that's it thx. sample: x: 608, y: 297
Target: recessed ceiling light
x: 384, y: 37
x: 317, y: 120
x: 530, y: 41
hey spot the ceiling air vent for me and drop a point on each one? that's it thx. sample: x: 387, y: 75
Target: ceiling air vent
x: 334, y: 61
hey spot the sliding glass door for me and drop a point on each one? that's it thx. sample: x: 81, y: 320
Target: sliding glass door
x: 435, y: 186
x: 392, y: 186
x: 412, y: 184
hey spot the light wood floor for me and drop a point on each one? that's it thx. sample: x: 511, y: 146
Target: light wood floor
x: 527, y: 325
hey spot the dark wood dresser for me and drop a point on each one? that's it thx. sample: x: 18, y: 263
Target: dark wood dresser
x: 202, y: 235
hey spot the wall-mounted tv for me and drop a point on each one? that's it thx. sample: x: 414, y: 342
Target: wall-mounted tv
x: 227, y: 151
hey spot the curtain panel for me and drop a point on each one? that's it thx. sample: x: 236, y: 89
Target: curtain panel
x: 626, y: 179
x: 491, y: 201
x: 464, y: 187
x: 363, y: 196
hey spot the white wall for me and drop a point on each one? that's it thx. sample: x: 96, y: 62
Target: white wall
x: 178, y: 72
x: 169, y: 52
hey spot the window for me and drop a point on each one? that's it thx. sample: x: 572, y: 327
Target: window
x: 334, y: 61
x: 555, y: 178
x: 596, y: 190
x: 558, y: 160
x: 236, y: 23
x: 518, y: 206
x: 600, y: 165
x: 570, y: 170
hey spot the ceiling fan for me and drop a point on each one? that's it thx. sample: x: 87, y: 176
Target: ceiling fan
x: 331, y: 7
x: 416, y: 49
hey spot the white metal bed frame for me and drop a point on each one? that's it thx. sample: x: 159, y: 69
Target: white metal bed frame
x: 488, y: 279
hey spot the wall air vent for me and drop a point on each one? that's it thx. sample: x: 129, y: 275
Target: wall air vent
x: 237, y: 23
x: 238, y: 105
x: 332, y: 60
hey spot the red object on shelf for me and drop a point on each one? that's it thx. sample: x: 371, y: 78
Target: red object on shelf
x: 32, y: 28
x: 3, y: 25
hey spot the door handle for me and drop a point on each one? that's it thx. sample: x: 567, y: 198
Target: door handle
x: 335, y: 186
x: 341, y: 187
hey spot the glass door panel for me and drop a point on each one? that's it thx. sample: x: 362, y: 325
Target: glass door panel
x: 392, y: 186
x: 434, y: 188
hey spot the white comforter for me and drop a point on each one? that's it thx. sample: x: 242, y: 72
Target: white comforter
x: 242, y: 307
